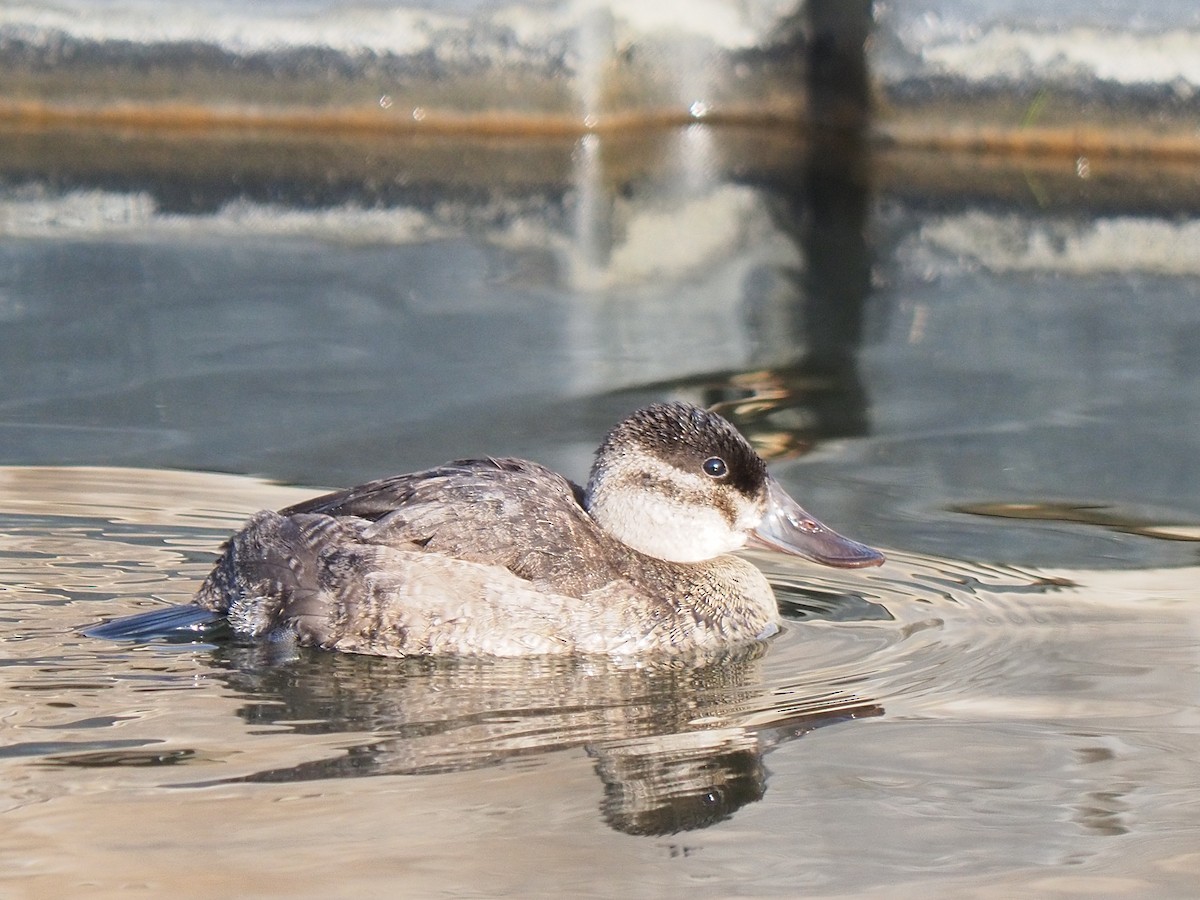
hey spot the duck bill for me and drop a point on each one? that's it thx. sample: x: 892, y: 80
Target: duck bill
x: 787, y: 527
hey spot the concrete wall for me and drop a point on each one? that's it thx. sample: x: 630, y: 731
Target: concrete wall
x: 370, y: 64
x: 1116, y: 76
x: 1112, y: 77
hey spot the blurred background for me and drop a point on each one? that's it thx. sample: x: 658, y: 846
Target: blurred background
x: 940, y: 260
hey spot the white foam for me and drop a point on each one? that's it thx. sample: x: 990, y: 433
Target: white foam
x: 236, y: 27
x: 384, y: 28
x: 135, y: 216
x: 1012, y: 243
x: 1124, y: 57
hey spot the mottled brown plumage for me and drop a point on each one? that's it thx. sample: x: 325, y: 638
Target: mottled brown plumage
x: 505, y: 557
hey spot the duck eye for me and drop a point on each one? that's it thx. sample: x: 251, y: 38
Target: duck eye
x: 715, y: 466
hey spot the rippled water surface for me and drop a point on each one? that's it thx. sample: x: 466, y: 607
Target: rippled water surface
x: 990, y: 728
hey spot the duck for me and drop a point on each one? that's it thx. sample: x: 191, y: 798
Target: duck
x: 505, y: 557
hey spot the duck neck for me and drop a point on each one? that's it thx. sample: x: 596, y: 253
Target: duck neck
x: 679, y: 528
x: 726, y: 599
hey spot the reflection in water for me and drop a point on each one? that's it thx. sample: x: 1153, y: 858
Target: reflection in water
x: 787, y: 409
x: 678, y: 744
x: 649, y: 792
x: 1101, y: 515
x: 132, y: 758
x: 824, y: 211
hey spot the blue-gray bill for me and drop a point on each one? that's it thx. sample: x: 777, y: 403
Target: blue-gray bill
x: 788, y: 528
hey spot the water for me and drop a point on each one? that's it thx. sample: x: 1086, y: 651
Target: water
x: 980, y: 380
x: 930, y: 720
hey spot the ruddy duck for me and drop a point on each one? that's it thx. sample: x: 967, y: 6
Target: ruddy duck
x: 504, y: 557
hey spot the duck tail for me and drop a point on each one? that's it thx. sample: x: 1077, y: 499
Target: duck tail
x: 269, y: 573
x: 185, y: 623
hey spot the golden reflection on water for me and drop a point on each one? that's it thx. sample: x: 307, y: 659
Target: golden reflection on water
x: 1010, y: 726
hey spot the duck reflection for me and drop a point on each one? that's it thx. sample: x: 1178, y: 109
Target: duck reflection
x: 678, y: 745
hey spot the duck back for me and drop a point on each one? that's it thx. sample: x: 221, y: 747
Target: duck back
x: 478, y: 556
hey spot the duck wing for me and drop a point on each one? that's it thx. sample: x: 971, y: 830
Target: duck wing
x: 392, y: 566
x: 509, y: 513
x: 460, y: 479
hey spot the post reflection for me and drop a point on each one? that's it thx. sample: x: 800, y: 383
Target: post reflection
x: 819, y: 393
x: 822, y: 207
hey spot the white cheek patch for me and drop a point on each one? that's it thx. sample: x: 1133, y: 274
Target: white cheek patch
x: 670, y: 515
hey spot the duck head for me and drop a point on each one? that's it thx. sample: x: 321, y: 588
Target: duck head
x: 678, y: 482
